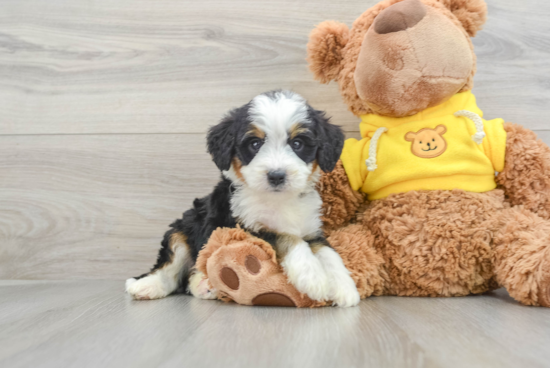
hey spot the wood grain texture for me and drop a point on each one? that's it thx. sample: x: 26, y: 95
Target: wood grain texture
x: 150, y: 66
x: 93, y: 324
x: 105, y: 104
x: 94, y: 206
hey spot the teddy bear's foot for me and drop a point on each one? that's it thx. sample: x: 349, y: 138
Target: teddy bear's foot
x: 244, y: 269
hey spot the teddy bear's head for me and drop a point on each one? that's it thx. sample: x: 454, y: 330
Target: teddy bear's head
x: 400, y: 56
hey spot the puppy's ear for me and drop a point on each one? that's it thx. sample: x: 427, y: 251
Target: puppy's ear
x: 324, y: 50
x: 221, y: 141
x: 330, y: 140
x: 471, y: 13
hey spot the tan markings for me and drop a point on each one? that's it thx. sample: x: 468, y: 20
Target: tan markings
x: 315, y: 247
x: 428, y: 143
x: 176, y: 240
x: 284, y: 243
x: 254, y: 131
x: 297, y: 129
x: 237, y: 165
x: 314, y: 168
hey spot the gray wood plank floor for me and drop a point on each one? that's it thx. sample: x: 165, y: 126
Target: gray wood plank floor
x: 93, y: 324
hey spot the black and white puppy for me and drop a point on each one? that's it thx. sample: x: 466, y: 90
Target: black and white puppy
x: 270, y: 152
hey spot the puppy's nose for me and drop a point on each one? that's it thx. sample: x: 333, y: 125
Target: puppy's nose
x: 400, y: 16
x: 276, y: 178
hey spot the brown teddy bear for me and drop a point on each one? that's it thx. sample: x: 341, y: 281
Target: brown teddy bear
x: 414, y: 208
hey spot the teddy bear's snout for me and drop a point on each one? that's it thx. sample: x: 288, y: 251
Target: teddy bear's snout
x: 400, y: 17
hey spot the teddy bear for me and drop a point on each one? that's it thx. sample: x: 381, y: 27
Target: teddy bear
x: 433, y: 200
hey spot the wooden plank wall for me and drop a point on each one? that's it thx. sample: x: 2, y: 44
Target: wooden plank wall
x: 105, y: 104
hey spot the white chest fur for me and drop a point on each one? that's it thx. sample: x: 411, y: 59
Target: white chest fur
x: 279, y: 212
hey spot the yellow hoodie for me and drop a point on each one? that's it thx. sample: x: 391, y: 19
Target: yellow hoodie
x: 434, y: 149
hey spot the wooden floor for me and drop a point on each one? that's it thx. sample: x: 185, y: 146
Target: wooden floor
x: 93, y: 324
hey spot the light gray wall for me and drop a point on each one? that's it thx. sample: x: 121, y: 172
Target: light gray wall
x: 104, y: 105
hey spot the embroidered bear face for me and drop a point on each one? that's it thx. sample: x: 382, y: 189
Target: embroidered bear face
x: 428, y: 143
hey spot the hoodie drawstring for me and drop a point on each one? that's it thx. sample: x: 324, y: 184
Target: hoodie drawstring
x: 373, y: 147
x: 480, y: 133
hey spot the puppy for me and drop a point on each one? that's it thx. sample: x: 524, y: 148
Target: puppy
x: 270, y: 152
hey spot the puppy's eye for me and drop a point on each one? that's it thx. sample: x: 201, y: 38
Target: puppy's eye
x: 297, y: 144
x: 255, y: 145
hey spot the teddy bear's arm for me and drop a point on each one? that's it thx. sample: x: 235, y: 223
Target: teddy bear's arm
x: 340, y: 201
x: 526, y: 175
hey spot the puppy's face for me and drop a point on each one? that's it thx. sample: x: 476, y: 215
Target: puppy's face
x: 275, y: 143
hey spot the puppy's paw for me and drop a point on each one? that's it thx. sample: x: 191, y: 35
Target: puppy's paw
x: 149, y: 287
x: 306, y: 273
x: 342, y: 289
x: 198, y: 286
x: 344, y: 295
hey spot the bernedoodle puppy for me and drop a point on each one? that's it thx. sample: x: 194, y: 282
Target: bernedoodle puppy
x: 270, y: 152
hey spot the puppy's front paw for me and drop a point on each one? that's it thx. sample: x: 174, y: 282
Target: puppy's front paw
x: 344, y: 295
x: 198, y: 286
x: 149, y: 287
x: 306, y: 273
x: 342, y: 289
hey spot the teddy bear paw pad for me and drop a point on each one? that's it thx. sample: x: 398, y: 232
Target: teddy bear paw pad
x: 229, y: 278
x: 273, y: 299
x: 252, y: 265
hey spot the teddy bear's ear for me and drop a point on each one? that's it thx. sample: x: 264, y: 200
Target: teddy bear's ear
x: 471, y: 13
x: 324, y: 50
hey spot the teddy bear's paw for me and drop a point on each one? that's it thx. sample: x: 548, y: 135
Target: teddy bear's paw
x: 199, y: 286
x: 146, y: 288
x: 342, y: 289
x: 306, y: 273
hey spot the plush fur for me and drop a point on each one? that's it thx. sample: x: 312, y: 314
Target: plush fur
x: 340, y: 202
x: 525, y: 177
x: 472, y: 14
x: 434, y: 243
x: 325, y: 46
